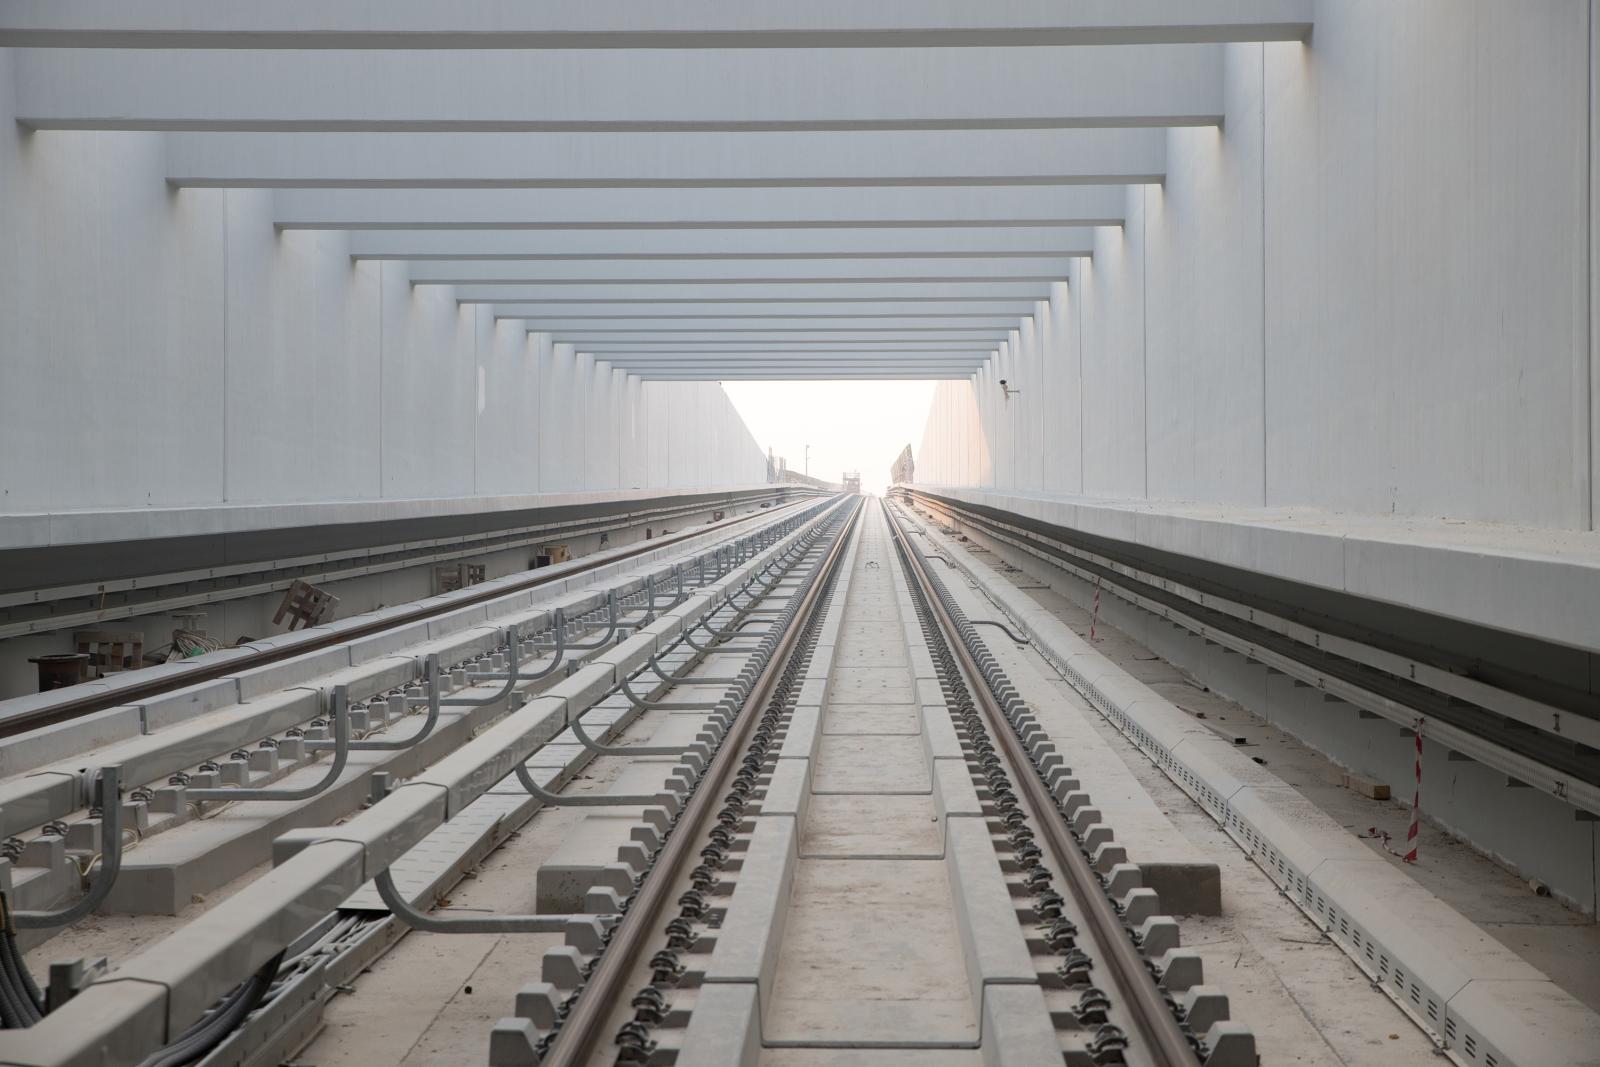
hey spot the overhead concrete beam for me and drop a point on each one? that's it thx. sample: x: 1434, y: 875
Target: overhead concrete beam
x: 507, y: 295
x: 743, y: 272
x: 535, y: 313
x: 799, y: 364
x: 562, y: 327
x: 929, y: 352
x: 762, y: 374
x: 673, y: 348
x: 689, y: 209
x: 910, y: 360
x: 794, y: 373
x: 601, y: 322
x: 912, y: 303
x: 586, y: 339
x: 498, y: 24
x: 649, y: 245
x: 666, y: 160
x: 621, y: 91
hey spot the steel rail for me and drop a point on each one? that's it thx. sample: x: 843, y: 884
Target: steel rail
x: 100, y: 701
x: 1136, y: 991
x: 576, y: 1039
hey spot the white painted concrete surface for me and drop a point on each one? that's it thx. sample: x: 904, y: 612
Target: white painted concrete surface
x: 1349, y: 341
x: 1368, y: 292
x: 165, y: 347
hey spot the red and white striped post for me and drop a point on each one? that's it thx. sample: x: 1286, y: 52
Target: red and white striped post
x: 1416, y: 804
x: 1094, y: 617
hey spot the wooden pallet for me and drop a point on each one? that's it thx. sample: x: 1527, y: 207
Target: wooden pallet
x: 305, y: 605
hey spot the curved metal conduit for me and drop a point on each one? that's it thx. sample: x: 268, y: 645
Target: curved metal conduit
x: 415, y: 919
x: 402, y: 909
x: 108, y: 799
x: 341, y: 755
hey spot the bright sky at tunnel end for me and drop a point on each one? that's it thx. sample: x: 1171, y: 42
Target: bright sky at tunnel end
x: 850, y: 425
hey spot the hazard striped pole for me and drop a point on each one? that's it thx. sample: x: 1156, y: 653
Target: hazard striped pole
x: 1416, y: 804
x: 1094, y: 618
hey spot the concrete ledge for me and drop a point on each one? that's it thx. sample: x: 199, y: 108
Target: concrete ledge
x: 724, y: 1029
x: 953, y: 794
x: 169, y: 709
x: 804, y: 733
x: 238, y: 938
x: 939, y: 738
x: 393, y: 828
x: 789, y: 791
x: 132, y: 1014
x: 1518, y: 1023
x: 1525, y: 580
x: 62, y: 740
x: 477, y: 765
x: 1016, y: 1027
x: 991, y: 940
x: 37, y: 529
x: 752, y: 930
x: 275, y: 677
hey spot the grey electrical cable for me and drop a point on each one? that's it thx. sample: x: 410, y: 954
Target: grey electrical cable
x: 28, y: 986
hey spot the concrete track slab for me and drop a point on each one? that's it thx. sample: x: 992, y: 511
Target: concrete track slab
x: 844, y: 827
x: 871, y: 719
x: 872, y: 685
x: 885, y: 611
x: 885, y: 651
x: 870, y: 954
x: 868, y: 763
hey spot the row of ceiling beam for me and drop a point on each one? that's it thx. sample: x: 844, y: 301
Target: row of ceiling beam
x: 698, y: 189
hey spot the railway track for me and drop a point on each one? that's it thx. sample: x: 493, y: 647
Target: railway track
x: 874, y: 868
x: 802, y: 818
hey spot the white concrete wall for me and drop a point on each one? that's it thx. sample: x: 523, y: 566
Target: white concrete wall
x: 164, y: 347
x: 1368, y: 292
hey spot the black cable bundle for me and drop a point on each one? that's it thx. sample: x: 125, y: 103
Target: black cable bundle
x: 214, y: 1027
x: 21, y: 1004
